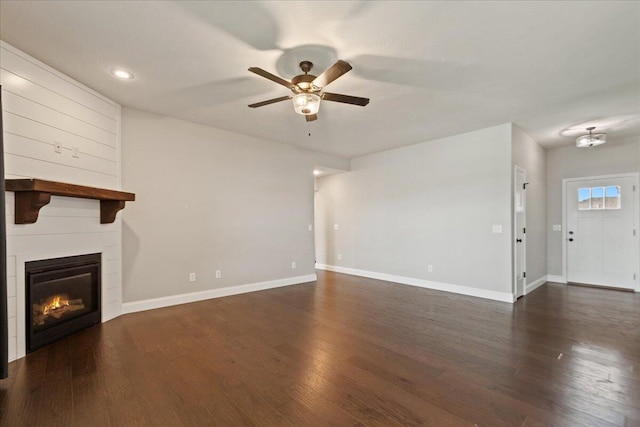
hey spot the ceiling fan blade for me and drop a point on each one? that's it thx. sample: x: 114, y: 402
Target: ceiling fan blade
x: 336, y: 97
x: 272, y: 77
x: 331, y: 73
x: 311, y: 117
x: 269, y: 101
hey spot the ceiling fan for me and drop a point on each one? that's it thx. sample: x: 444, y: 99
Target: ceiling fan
x: 308, y: 89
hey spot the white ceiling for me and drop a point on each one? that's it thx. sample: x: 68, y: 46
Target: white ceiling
x: 431, y: 69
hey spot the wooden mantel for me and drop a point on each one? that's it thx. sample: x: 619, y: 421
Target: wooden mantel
x: 32, y: 194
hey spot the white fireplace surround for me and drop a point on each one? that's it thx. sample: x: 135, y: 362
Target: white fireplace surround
x: 41, y: 108
x: 107, y: 309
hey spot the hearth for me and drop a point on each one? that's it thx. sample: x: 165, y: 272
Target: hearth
x: 62, y: 297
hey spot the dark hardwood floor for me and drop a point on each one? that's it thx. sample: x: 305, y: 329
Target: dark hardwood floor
x: 346, y: 351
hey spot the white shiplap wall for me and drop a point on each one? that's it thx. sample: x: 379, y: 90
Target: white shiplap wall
x: 42, y: 107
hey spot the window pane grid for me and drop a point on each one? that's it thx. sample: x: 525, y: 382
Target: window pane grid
x: 599, y: 198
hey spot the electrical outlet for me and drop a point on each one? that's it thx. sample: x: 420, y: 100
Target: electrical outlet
x: 496, y: 228
x: 293, y: 265
x: 310, y: 227
x: 75, y: 152
x: 218, y: 274
x: 339, y: 256
x: 430, y: 268
x: 57, y: 147
x: 336, y: 226
x: 557, y: 227
x: 192, y: 277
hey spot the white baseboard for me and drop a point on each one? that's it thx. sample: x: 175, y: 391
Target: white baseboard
x: 150, y: 304
x: 561, y: 279
x: 535, y: 285
x: 446, y: 287
x: 555, y: 279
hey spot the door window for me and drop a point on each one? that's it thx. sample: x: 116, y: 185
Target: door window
x: 598, y: 198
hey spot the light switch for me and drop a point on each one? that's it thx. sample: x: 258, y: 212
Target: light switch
x: 335, y: 226
x: 557, y: 227
x: 497, y: 229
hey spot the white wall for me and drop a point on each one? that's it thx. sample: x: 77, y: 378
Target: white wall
x: 432, y: 203
x: 571, y: 162
x: 209, y: 200
x: 529, y: 155
x: 40, y: 107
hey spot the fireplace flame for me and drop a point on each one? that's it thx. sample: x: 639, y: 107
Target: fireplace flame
x: 56, y: 307
x: 55, y: 302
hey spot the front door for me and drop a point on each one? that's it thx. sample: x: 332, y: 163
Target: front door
x: 601, y: 241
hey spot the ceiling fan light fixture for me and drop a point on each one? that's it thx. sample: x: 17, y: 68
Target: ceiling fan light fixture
x: 306, y: 103
x: 591, y: 139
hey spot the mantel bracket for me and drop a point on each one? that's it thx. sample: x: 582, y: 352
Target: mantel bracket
x: 109, y: 209
x: 28, y: 204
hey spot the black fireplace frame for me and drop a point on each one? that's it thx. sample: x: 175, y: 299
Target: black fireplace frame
x: 52, y: 268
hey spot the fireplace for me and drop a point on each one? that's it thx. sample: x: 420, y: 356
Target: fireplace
x: 62, y: 297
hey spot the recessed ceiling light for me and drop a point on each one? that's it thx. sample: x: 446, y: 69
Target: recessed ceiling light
x: 316, y: 172
x: 123, y: 74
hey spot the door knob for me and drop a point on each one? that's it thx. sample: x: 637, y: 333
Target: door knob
x: 571, y: 239
x: 571, y: 232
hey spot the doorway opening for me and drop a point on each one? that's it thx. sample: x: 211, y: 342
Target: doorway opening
x: 324, y: 221
x: 519, y: 231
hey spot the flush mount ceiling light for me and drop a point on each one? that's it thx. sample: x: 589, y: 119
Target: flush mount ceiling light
x: 122, y: 74
x: 591, y: 140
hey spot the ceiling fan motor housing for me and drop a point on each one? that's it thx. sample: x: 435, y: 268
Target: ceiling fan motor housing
x: 303, y: 81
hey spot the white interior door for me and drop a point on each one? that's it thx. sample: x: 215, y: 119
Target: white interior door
x: 601, y: 239
x: 519, y: 251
